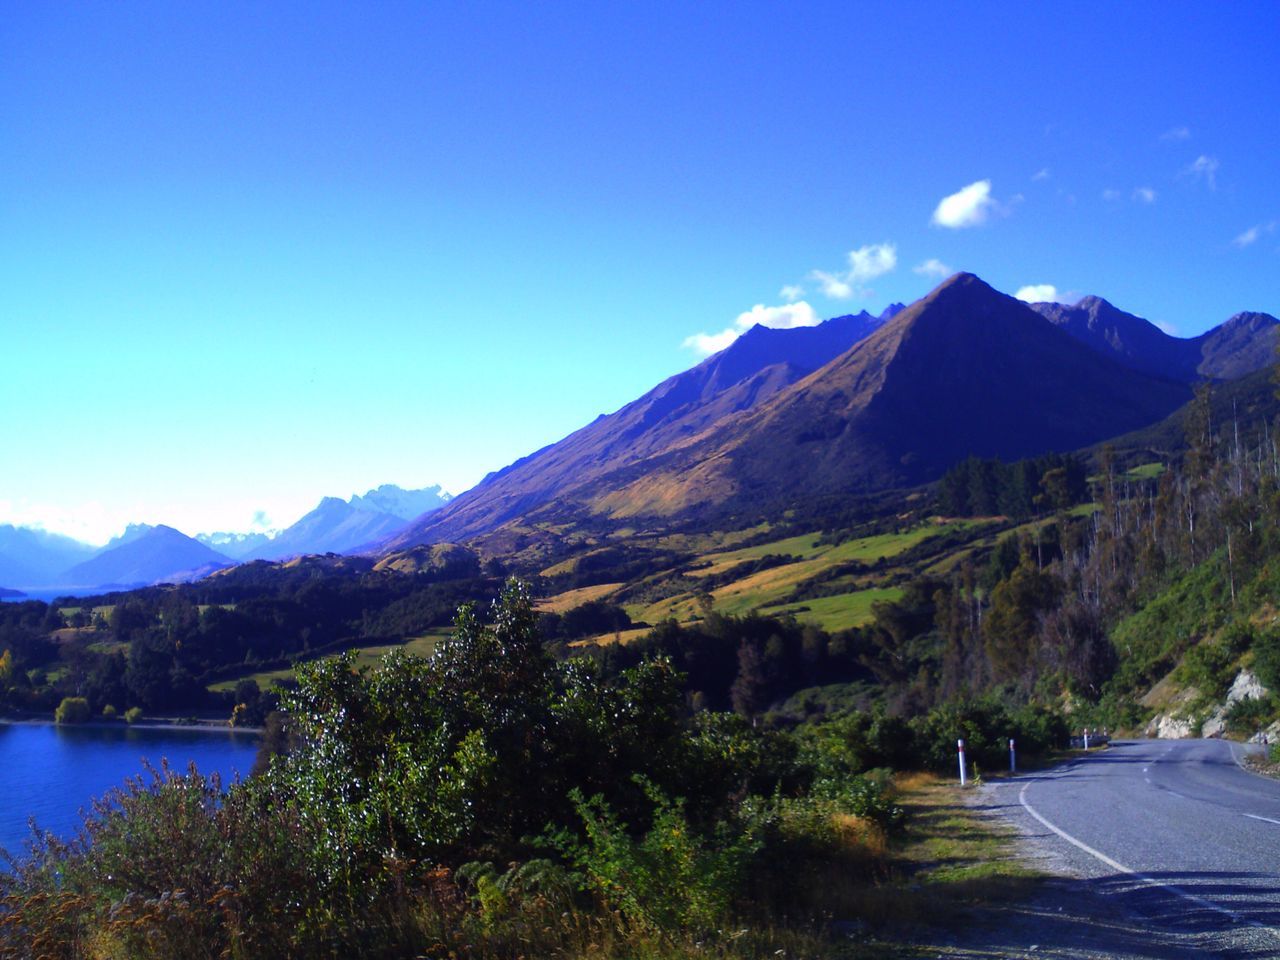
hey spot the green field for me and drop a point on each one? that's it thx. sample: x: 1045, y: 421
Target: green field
x: 365, y: 657
x: 812, y: 559
x: 842, y: 611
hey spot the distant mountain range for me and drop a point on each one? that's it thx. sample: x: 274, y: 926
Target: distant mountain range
x: 339, y: 526
x: 150, y: 555
x: 1243, y: 344
x: 144, y: 554
x: 34, y: 558
x: 855, y: 405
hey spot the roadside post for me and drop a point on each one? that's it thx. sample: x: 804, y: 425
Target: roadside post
x: 1013, y: 757
x: 960, y: 748
x: 1086, y: 739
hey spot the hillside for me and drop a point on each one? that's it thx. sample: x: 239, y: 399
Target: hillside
x: 754, y: 368
x: 156, y: 555
x: 964, y: 371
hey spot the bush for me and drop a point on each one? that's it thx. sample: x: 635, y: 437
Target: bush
x: 108, y: 712
x: 669, y: 879
x: 133, y: 715
x: 72, y: 710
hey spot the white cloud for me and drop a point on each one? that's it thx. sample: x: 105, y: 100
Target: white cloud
x: 967, y: 207
x: 832, y: 286
x: 1041, y: 174
x: 1167, y: 327
x: 1110, y: 195
x: 1204, y: 168
x: 1144, y: 194
x: 1038, y: 293
x: 1177, y: 133
x: 1253, y: 233
x: 871, y: 261
x: 709, y: 343
x: 865, y: 263
x: 782, y: 318
x: 933, y: 267
x: 791, y: 293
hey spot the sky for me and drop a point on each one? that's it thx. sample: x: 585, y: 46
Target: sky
x: 256, y: 254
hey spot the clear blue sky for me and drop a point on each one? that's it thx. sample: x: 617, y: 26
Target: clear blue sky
x: 254, y: 254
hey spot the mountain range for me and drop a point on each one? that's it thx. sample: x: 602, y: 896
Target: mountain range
x: 1243, y: 344
x: 145, y: 554
x: 856, y: 405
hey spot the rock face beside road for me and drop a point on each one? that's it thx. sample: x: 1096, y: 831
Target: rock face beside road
x: 1180, y: 721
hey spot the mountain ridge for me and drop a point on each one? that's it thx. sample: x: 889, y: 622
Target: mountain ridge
x: 866, y: 420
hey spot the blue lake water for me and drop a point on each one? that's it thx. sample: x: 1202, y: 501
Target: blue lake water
x: 51, y: 772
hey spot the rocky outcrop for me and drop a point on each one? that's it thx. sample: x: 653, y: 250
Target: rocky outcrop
x: 1246, y: 686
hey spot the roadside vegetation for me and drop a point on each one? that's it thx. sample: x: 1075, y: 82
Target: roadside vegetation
x: 492, y: 801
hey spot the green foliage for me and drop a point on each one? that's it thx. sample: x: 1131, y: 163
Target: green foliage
x: 72, y: 710
x: 133, y: 715
x: 668, y: 879
x: 1266, y: 659
x: 1250, y: 715
x: 977, y: 487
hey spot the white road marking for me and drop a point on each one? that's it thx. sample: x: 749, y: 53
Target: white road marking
x: 1141, y: 877
x: 1254, y: 816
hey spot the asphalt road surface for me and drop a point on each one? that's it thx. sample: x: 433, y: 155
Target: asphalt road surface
x: 1173, y: 833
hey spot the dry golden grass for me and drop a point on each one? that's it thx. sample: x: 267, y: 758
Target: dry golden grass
x: 576, y: 598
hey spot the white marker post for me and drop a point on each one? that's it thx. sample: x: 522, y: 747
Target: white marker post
x: 1086, y: 738
x: 960, y: 747
x: 1013, y: 758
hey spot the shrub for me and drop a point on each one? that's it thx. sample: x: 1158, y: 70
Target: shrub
x: 72, y: 710
x: 108, y: 712
x: 133, y: 715
x: 669, y: 879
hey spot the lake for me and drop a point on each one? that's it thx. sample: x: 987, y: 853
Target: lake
x: 51, y: 772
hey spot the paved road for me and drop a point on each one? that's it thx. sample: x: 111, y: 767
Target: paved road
x: 1173, y: 832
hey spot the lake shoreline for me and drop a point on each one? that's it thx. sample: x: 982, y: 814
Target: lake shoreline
x: 148, y: 723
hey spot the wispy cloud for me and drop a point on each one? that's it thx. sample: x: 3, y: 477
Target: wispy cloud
x: 1111, y: 195
x: 1204, y: 168
x: 865, y: 264
x: 1167, y: 327
x: 967, y: 207
x: 933, y: 267
x: 1176, y: 134
x: 1144, y: 195
x: 1038, y: 293
x: 783, y: 317
x: 791, y: 293
x: 1251, y: 235
x: 1041, y: 174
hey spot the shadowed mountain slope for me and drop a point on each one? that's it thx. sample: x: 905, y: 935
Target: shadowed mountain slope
x: 1245, y: 343
x: 966, y: 370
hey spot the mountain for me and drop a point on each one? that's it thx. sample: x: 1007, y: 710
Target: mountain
x: 966, y: 370
x: 406, y: 504
x: 234, y: 545
x: 34, y: 558
x: 154, y: 555
x: 755, y: 367
x: 339, y: 526
x: 1245, y: 343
